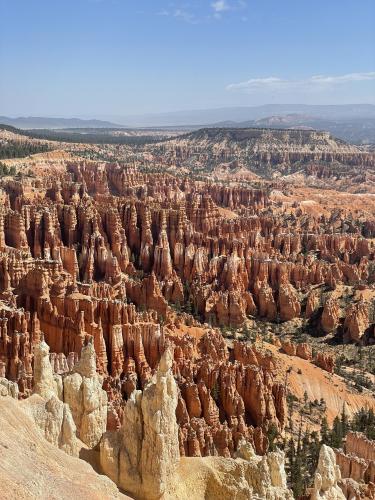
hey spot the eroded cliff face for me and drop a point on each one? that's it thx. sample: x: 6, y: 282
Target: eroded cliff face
x: 103, y: 251
x: 357, y: 465
x: 88, y: 401
x: 143, y: 457
x: 265, y: 152
x: 69, y: 407
x: 107, y: 266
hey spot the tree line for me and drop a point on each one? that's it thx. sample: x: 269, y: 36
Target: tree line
x: 302, y: 450
x: 21, y: 149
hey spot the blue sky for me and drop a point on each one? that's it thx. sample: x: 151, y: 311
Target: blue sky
x: 102, y: 58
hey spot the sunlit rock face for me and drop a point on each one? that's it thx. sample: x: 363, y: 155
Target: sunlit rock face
x: 104, y: 257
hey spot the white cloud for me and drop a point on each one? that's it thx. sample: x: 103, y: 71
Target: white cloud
x: 220, y: 6
x: 189, y: 13
x: 184, y: 15
x: 313, y: 82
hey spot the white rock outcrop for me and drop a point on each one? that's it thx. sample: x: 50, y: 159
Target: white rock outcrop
x: 52, y: 415
x: 54, y: 419
x: 160, y: 429
x: 327, y: 476
x: 46, y: 384
x: 33, y: 469
x: 8, y: 388
x: 142, y: 457
x: 87, y: 400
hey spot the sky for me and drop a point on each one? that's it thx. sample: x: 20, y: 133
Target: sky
x: 108, y: 58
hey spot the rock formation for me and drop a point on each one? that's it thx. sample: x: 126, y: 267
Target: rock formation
x: 327, y: 476
x: 31, y: 467
x: 51, y: 415
x: 87, y: 400
x: 143, y: 455
x: 45, y: 384
x: 103, y: 265
x: 144, y: 459
x: 357, y: 459
x: 55, y: 420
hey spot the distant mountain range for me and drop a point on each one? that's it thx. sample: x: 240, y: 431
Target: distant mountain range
x: 202, y: 117
x: 351, y: 122
x: 37, y: 122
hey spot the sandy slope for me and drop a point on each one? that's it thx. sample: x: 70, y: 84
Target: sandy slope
x: 319, y: 384
x: 32, y: 468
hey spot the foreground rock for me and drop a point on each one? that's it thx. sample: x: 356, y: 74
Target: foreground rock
x: 327, y: 476
x: 52, y: 416
x: 33, y: 469
x: 88, y: 401
x: 143, y: 458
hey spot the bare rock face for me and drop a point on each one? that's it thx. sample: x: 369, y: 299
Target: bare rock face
x: 247, y: 477
x: 33, y: 468
x: 87, y: 400
x: 52, y: 416
x: 304, y: 351
x: 327, y: 476
x: 143, y: 456
x: 160, y: 429
x: 45, y: 383
x: 356, y: 321
x: 289, y: 304
x: 289, y: 348
x: 55, y: 420
x: 313, y: 301
x: 357, y: 459
x: 330, y: 316
x: 325, y: 361
x: 8, y: 388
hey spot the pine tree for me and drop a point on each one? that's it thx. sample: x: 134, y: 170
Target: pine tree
x: 272, y: 435
x: 344, y: 421
x: 314, y: 450
x: 337, y: 433
x: 324, y: 432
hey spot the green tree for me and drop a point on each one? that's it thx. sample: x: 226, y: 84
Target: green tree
x: 337, y: 434
x: 324, y: 432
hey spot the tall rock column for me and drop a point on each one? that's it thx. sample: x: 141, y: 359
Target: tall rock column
x: 44, y: 382
x: 87, y: 400
x: 326, y: 477
x: 160, y: 447
x: 144, y: 454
